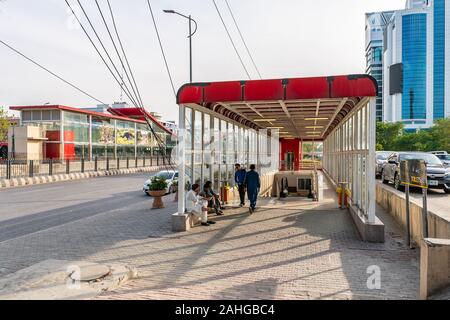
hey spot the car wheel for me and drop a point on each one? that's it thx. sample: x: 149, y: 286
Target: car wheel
x: 170, y: 190
x: 383, y: 178
x: 397, y: 183
x: 447, y: 191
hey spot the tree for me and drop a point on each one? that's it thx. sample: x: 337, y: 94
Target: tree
x: 440, y: 135
x: 387, y: 133
x: 5, y: 122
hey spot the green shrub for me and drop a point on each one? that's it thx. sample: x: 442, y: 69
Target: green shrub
x: 158, y: 184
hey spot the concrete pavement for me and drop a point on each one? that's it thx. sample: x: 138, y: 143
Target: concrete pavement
x: 284, y: 251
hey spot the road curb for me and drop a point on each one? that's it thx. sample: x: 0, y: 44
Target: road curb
x: 21, y: 182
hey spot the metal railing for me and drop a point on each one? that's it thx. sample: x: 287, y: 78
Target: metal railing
x: 10, y: 169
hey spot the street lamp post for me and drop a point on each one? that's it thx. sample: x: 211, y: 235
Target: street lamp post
x: 191, y: 34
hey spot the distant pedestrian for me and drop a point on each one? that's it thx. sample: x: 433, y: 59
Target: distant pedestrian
x: 253, y: 184
x: 239, y: 178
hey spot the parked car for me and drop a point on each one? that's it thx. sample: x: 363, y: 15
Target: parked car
x: 438, y: 174
x: 445, y: 159
x: 381, y: 159
x: 169, y: 175
x: 439, y: 153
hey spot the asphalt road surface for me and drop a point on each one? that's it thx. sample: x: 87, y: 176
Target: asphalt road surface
x: 32, y: 209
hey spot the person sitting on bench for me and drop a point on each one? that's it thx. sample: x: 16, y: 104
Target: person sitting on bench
x: 198, y: 205
x: 214, y: 203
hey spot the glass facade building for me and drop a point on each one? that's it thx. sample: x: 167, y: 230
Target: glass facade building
x: 414, y: 57
x: 75, y: 133
x: 416, y: 76
x: 439, y: 59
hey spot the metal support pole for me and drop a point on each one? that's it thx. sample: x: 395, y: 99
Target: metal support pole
x: 143, y: 159
x: 128, y: 163
x: 190, y: 49
x: 107, y: 163
x: 82, y: 165
x: 67, y: 166
x: 151, y: 161
x: 118, y: 163
x: 425, y: 212
x: 50, y: 167
x: 408, y: 217
x: 8, y: 169
x: 31, y: 173
x: 96, y: 164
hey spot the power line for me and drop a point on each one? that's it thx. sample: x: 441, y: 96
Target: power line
x: 162, y: 48
x: 123, y: 51
x: 118, y: 54
x: 132, y: 98
x: 231, y: 39
x: 98, y: 51
x: 243, y: 39
x: 50, y: 72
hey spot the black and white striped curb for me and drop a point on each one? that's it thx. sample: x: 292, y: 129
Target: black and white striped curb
x: 20, y: 182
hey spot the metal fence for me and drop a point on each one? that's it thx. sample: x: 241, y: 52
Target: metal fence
x: 22, y: 169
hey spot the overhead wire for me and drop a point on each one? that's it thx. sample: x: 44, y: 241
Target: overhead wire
x: 50, y: 72
x: 123, y: 50
x: 162, y: 48
x: 123, y: 85
x: 243, y: 39
x: 136, y: 96
x: 231, y: 39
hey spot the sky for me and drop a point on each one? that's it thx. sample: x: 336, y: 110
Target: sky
x: 287, y: 38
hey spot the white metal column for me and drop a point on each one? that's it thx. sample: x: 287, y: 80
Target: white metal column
x: 181, y: 159
x: 370, y: 174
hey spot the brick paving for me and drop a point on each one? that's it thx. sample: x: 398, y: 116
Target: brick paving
x: 284, y: 251
x: 292, y: 249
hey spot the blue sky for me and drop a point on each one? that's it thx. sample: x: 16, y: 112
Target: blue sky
x: 288, y: 38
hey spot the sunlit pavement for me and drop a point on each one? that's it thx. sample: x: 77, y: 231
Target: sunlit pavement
x: 284, y: 251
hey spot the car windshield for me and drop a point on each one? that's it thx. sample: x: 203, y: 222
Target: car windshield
x: 430, y: 159
x: 444, y: 157
x: 383, y: 155
x: 165, y: 175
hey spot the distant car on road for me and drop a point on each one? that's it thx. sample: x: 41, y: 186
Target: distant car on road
x: 438, y: 174
x: 381, y: 159
x: 445, y: 159
x: 170, y: 176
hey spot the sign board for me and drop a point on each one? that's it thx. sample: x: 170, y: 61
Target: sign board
x: 414, y: 173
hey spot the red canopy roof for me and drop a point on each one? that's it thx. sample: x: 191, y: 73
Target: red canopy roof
x: 299, y: 106
x: 281, y: 89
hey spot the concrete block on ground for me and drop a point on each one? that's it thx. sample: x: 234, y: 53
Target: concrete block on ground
x: 434, y: 266
x: 181, y: 222
x: 369, y: 232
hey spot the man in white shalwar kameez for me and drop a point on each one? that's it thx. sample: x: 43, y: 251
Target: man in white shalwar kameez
x: 197, y: 205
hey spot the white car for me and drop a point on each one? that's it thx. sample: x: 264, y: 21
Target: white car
x: 169, y: 175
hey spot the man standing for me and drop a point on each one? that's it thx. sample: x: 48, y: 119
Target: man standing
x: 253, y: 184
x: 239, y: 178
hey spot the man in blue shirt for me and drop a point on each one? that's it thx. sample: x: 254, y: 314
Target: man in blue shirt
x: 253, y: 184
x: 239, y: 178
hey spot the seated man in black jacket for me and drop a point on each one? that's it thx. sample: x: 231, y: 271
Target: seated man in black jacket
x: 214, y: 203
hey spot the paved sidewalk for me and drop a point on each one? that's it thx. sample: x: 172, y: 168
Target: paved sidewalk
x: 284, y: 251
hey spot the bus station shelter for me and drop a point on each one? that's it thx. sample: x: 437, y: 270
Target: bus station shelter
x: 247, y: 122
